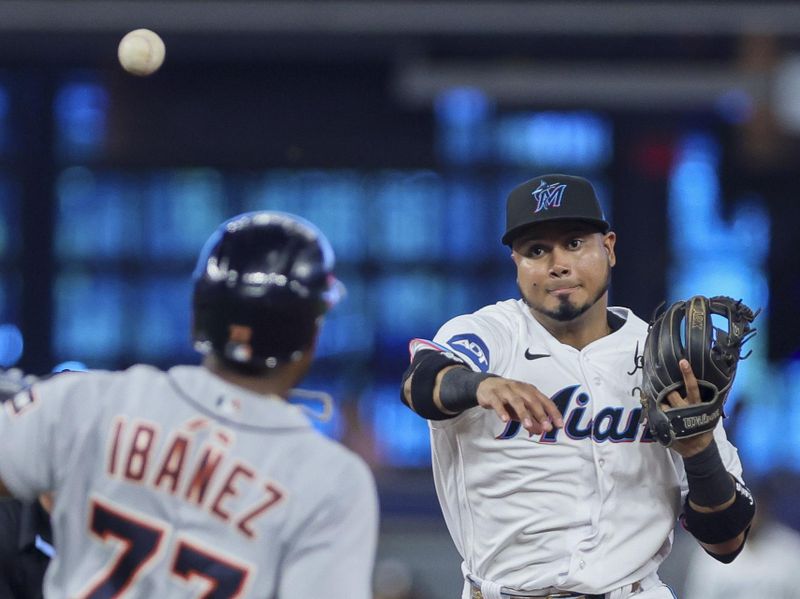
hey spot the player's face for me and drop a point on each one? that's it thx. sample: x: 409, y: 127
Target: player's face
x: 563, y: 268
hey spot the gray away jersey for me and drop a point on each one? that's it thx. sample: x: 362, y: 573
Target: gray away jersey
x: 587, y: 508
x: 177, y: 484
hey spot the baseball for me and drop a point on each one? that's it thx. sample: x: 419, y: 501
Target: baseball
x: 141, y: 52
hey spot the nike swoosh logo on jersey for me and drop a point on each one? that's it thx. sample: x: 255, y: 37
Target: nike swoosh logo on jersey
x: 530, y: 356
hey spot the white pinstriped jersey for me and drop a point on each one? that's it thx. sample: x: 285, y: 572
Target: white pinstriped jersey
x: 587, y: 508
x: 178, y: 484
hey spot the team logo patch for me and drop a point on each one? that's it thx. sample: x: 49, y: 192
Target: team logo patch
x: 473, y: 347
x: 228, y: 405
x: 548, y: 196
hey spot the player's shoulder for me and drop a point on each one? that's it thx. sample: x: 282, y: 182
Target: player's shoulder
x: 633, y: 326
x: 90, y: 390
x: 479, y: 336
x: 139, y: 372
x: 332, y: 452
x: 507, y: 313
x: 333, y: 460
x: 87, y: 379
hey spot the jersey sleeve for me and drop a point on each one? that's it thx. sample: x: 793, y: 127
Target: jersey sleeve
x: 334, y: 553
x: 36, y: 433
x: 477, y: 339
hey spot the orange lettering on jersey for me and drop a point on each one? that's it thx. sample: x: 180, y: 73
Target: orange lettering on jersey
x: 172, y: 464
x: 113, y: 441
x: 274, y: 496
x: 197, y: 423
x: 206, y: 467
x: 139, y: 453
x: 224, y: 437
x: 228, y: 490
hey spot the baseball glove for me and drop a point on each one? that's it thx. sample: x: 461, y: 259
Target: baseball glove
x: 685, y: 330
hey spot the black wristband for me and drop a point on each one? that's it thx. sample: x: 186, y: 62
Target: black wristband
x: 424, y: 368
x: 709, y: 483
x: 716, y: 527
x: 458, y: 390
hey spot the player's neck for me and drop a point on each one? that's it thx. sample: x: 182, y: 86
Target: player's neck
x: 277, y: 384
x: 581, y: 331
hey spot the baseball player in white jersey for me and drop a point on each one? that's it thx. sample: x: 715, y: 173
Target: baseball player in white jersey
x: 203, y: 481
x: 550, y: 482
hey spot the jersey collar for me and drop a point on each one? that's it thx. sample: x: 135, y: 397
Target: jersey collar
x: 234, y: 405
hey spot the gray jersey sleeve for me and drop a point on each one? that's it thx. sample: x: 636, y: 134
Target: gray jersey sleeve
x: 28, y: 429
x: 37, y: 432
x: 335, y: 555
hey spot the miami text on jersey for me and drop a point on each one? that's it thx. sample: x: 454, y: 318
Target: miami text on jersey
x: 205, y: 478
x: 609, y: 424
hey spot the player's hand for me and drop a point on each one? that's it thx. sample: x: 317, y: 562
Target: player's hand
x: 514, y: 400
x: 690, y: 445
x: 12, y: 381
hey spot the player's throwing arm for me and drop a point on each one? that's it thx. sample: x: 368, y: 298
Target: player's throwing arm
x: 439, y: 385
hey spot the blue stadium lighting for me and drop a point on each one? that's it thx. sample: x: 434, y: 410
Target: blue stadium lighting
x: 566, y: 140
x: 11, y: 345
x: 697, y: 231
x: 89, y: 318
x: 401, y: 437
x: 70, y: 366
x: 463, y: 116
x: 462, y: 106
x: 81, y: 109
x: 402, y: 203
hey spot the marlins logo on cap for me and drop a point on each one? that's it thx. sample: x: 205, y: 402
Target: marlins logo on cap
x: 552, y: 197
x: 548, y: 195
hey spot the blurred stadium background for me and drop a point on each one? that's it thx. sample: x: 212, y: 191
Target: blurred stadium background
x: 398, y: 127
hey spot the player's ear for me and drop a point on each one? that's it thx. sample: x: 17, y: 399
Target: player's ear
x: 609, y: 240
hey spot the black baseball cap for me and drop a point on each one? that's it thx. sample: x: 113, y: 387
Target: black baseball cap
x: 552, y: 197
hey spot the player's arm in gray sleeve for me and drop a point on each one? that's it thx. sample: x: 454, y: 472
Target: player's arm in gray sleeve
x: 439, y: 385
x: 333, y: 555
x: 28, y: 433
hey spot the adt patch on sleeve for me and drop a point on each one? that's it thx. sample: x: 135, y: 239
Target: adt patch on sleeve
x: 473, y: 347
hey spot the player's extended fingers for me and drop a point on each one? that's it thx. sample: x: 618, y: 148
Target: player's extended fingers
x: 543, y: 409
x: 552, y: 413
x: 692, y: 388
x: 501, y: 409
x: 538, y: 413
x: 529, y: 419
x: 506, y: 411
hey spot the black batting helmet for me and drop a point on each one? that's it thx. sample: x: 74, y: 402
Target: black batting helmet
x: 262, y: 282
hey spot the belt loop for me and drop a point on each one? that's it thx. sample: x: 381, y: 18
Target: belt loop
x: 491, y: 590
x: 466, y: 592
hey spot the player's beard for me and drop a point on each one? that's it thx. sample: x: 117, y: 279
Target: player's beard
x: 566, y: 310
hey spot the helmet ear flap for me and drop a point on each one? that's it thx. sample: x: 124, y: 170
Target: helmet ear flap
x: 262, y: 282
